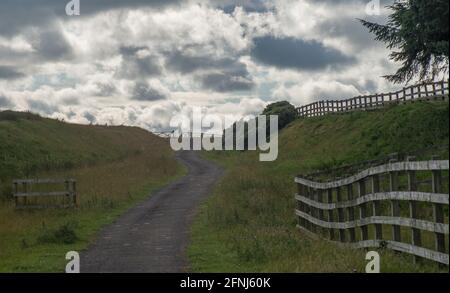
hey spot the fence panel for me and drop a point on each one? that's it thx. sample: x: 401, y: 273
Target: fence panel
x: 374, y: 186
x: 425, y: 91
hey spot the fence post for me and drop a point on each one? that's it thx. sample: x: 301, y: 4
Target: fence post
x: 395, y: 205
x: 341, y: 217
x: 438, y: 209
x: 321, y: 214
x: 309, y: 225
x: 301, y: 205
x: 363, y: 209
x: 25, y: 190
x: 330, y: 212
x: 314, y: 211
x: 377, y: 207
x: 351, y: 212
x: 16, y: 191
x: 75, y: 195
x: 416, y: 237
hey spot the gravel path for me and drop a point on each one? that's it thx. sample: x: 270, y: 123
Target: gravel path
x: 152, y: 237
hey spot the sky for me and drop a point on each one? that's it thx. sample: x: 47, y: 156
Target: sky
x: 140, y: 62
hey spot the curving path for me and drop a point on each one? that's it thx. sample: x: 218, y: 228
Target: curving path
x: 152, y: 237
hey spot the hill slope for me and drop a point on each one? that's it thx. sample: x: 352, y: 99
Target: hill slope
x: 32, y: 144
x: 249, y: 224
x: 115, y: 167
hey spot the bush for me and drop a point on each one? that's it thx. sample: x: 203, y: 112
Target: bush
x: 285, y: 111
x: 65, y: 234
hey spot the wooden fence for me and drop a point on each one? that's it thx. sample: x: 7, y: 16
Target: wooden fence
x: 23, y: 191
x: 410, y: 199
x: 420, y: 92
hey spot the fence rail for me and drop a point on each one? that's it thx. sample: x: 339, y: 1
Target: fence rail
x: 420, y: 92
x: 23, y: 191
x: 324, y: 208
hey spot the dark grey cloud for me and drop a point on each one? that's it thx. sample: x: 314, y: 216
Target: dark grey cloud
x: 105, y: 89
x: 90, y: 117
x: 350, y: 29
x: 50, y: 44
x: 70, y: 101
x: 143, y: 91
x: 184, y: 63
x: 5, y: 102
x: 18, y: 14
x: 297, y: 54
x: 222, y: 82
x: 228, y: 6
x: 9, y: 73
x: 217, y: 74
x: 134, y: 67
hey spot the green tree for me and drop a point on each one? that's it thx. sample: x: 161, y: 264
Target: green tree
x: 285, y: 111
x: 417, y: 33
x: 286, y: 114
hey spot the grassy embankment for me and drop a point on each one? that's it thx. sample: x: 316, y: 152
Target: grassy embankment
x: 249, y: 223
x: 115, y: 167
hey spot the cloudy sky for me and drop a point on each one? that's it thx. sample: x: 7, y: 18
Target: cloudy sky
x: 139, y: 62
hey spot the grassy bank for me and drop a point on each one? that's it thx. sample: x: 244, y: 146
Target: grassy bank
x: 249, y: 224
x: 115, y: 167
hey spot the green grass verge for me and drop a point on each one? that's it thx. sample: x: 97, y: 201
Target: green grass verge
x: 30, y: 251
x: 115, y: 168
x: 248, y: 225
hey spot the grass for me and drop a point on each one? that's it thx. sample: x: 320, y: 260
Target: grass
x: 129, y: 164
x: 248, y: 225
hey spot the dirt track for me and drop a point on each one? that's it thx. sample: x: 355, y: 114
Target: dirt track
x: 152, y: 237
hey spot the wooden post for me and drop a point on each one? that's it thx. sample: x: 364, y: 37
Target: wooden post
x: 314, y: 212
x: 416, y: 237
x: 351, y: 213
x: 330, y: 212
x: 75, y: 195
x: 363, y: 209
x: 16, y: 191
x: 438, y: 209
x: 308, y: 224
x: 341, y: 217
x: 25, y: 191
x: 301, y: 205
x: 321, y: 214
x: 377, y: 207
x: 395, y: 205
x: 68, y: 186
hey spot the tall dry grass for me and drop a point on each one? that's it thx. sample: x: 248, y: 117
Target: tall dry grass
x: 36, y: 240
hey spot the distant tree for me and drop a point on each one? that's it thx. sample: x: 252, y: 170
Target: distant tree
x: 286, y: 114
x: 417, y: 32
x: 285, y: 111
